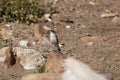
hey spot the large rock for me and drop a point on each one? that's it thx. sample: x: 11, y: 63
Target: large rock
x: 54, y: 62
x: 29, y: 58
x: 7, y: 58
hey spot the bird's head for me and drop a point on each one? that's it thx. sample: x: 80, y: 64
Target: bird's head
x: 51, y: 30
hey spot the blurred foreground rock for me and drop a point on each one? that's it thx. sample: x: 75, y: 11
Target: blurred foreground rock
x: 7, y: 58
x: 42, y: 76
x: 29, y: 58
x: 76, y: 70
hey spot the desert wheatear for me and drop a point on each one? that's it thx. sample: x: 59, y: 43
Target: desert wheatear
x: 54, y: 40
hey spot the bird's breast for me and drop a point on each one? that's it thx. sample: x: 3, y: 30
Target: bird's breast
x: 53, y: 38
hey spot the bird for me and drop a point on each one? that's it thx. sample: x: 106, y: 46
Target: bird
x: 54, y: 40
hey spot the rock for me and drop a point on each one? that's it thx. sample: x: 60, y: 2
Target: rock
x: 109, y: 76
x: 90, y: 43
x: 29, y: 58
x: 8, y: 25
x: 47, y: 28
x: 92, y: 38
x: 33, y: 43
x: 6, y: 34
x: 55, y: 1
x: 116, y: 20
x: 42, y: 76
x: 76, y: 70
x: 92, y: 3
x: 38, y: 31
x: 108, y: 11
x: 23, y: 43
x: 54, y: 62
x: 106, y: 15
x: 88, y: 34
x: 47, y: 17
x: 7, y: 58
x: 68, y: 27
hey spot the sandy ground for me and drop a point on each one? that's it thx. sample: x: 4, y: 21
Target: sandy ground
x: 84, y: 19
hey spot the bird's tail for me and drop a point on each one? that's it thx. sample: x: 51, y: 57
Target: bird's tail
x: 57, y: 48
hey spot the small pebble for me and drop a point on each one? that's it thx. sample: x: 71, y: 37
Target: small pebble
x: 49, y: 19
x: 8, y: 25
x: 88, y: 34
x: 33, y: 43
x: 90, y: 43
x: 68, y: 27
x: 55, y: 1
x: 23, y: 43
x: 46, y: 15
x: 92, y: 3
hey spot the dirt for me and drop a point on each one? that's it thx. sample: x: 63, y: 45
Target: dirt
x: 84, y: 20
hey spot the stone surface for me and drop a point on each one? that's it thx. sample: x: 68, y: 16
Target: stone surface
x: 7, y: 59
x: 68, y: 27
x: 106, y: 15
x: 116, y: 20
x: 42, y: 76
x: 76, y: 70
x: 54, y: 62
x: 7, y: 25
x: 92, y: 38
x: 38, y: 31
x: 47, y: 17
x: 92, y: 3
x: 23, y: 43
x: 29, y: 58
x: 6, y: 34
